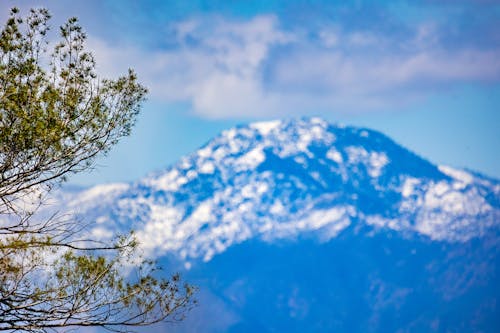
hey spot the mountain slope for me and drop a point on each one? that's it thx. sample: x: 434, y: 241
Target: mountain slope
x: 304, y: 226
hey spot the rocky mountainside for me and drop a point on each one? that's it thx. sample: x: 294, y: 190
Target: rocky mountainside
x: 301, y: 225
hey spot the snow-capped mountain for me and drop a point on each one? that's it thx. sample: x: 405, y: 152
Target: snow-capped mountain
x: 304, y: 226
x: 279, y: 179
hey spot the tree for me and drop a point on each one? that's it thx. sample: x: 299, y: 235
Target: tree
x: 56, y: 116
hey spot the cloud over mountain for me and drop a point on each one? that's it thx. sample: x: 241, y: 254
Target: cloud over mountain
x: 226, y: 68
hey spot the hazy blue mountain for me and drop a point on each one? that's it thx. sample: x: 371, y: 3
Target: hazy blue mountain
x: 305, y: 226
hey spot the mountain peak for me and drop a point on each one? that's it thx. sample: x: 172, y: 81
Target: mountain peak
x: 306, y: 141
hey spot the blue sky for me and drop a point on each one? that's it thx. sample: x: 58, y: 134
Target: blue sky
x: 426, y: 73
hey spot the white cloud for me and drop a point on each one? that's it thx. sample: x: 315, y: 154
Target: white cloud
x: 359, y: 38
x: 329, y: 38
x: 253, y: 68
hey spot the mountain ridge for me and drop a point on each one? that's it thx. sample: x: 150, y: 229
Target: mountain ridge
x: 279, y: 178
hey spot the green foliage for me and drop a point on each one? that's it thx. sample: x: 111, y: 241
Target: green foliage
x: 56, y: 116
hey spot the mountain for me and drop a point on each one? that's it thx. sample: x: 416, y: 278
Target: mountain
x: 301, y: 225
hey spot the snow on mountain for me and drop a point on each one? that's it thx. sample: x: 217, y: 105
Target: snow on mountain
x: 285, y: 179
